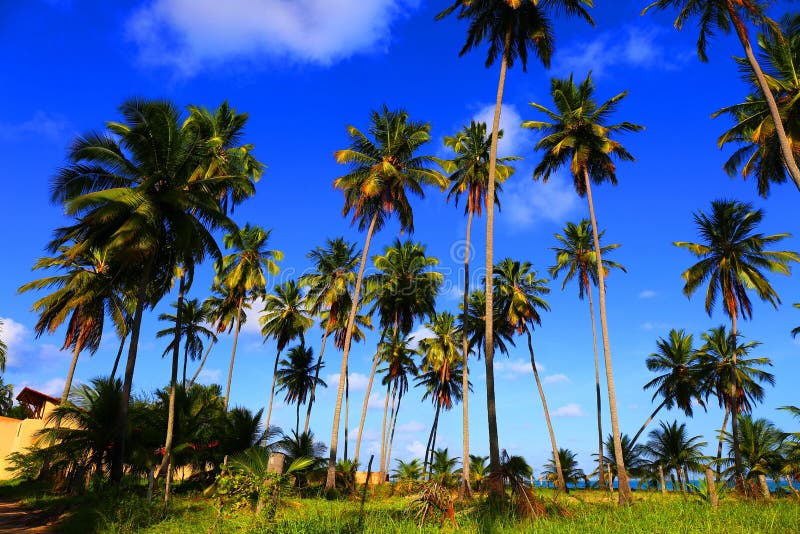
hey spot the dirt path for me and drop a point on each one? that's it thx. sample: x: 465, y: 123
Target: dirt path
x: 16, y: 518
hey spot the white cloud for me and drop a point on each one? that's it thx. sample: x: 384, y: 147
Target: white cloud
x: 358, y: 382
x: 649, y: 326
x: 23, y: 350
x: 556, y: 379
x: 647, y: 294
x: 640, y: 48
x: 526, y: 202
x: 569, y: 410
x: 513, y: 368
x: 251, y: 325
x: 416, y: 448
x: 53, y: 387
x: 423, y: 332
x: 412, y: 427
x: 187, y: 35
x: 42, y: 124
x: 209, y: 376
x: 511, y: 144
x: 376, y: 401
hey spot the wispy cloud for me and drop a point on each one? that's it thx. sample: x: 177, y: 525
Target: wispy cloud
x: 416, y: 448
x: 647, y: 294
x: 209, y: 376
x: 23, y: 351
x: 527, y: 203
x: 358, y: 382
x: 411, y: 427
x: 633, y: 46
x: 187, y: 35
x: 51, y: 126
x: 650, y: 326
x: 569, y: 410
x: 556, y: 379
x: 513, y: 140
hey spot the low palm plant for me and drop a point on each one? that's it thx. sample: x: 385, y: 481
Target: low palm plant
x: 568, y: 463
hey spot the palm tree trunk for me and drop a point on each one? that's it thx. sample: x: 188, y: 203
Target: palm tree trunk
x: 68, y: 384
x: 786, y: 148
x: 661, y: 479
x: 383, y: 434
x: 314, y: 385
x: 465, y: 490
x: 272, y: 390
x: 737, y: 454
x: 391, y: 434
x: 346, y: 410
x: 562, y: 486
x: 495, y: 485
x: 721, y: 441
x: 166, y: 460
x: 297, y: 420
x: 233, y: 354
x: 119, y: 355
x: 330, y: 481
x: 429, y: 447
x: 366, y: 402
x: 202, y: 363
x: 625, y: 496
x: 791, y: 486
x: 649, y: 419
x: 185, y: 362
x: 601, y: 473
x: 392, y: 417
x: 118, y: 450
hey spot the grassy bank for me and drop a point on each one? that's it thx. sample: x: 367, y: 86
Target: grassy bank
x: 580, y: 513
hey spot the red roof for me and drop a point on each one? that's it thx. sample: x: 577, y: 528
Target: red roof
x: 31, y: 396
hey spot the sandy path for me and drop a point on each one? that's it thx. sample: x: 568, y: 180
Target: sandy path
x: 15, y: 517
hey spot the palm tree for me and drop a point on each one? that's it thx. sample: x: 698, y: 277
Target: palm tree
x: 406, y: 473
x: 681, y: 383
x: 296, y: 377
x: 3, y: 350
x: 564, y: 469
x: 443, y: 467
x: 285, y: 318
x: 760, y: 444
x: 84, y: 295
x: 152, y: 162
x: 520, y: 297
x: 476, y: 323
x: 440, y: 376
x: 576, y: 256
x: 222, y: 313
x: 243, y: 273
x: 734, y: 378
x: 510, y: 29
x: 759, y: 155
x: 383, y: 170
x: 329, y: 287
x: 635, y: 465
x: 469, y: 175
x: 402, y: 291
x: 671, y: 447
x: 193, y: 318
x: 399, y: 358
x: 791, y: 464
x: 721, y: 15
x: 580, y: 135
x: 796, y: 330
x: 478, y: 470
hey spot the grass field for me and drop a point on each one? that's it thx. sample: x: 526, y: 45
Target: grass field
x: 582, y: 512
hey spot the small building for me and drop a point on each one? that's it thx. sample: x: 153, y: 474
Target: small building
x: 17, y: 435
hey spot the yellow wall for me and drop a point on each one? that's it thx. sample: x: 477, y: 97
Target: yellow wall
x: 16, y: 436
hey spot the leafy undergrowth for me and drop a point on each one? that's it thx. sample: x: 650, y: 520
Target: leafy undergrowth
x: 580, y: 513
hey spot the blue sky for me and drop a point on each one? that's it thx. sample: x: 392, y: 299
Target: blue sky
x: 303, y: 70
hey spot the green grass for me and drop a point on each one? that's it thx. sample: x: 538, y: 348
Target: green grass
x: 585, y: 512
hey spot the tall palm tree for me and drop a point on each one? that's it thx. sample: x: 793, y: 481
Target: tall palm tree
x: 329, y: 287
x: 441, y: 379
x: 384, y: 169
x: 722, y: 15
x: 83, y: 296
x: 760, y: 445
x: 194, y: 317
x: 734, y: 378
x: 681, y: 383
x: 403, y: 290
x: 149, y: 163
x: 732, y: 260
x: 580, y: 135
x: 576, y: 256
x: 564, y: 468
x: 222, y: 313
x: 469, y: 176
x: 671, y: 446
x: 511, y: 29
x: 243, y: 273
x: 296, y: 376
x: 520, y: 291
x: 398, y: 355
x: 476, y: 323
x: 285, y: 318
x: 759, y: 155
x: 3, y: 350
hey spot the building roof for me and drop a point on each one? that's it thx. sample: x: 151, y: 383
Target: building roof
x: 36, y: 398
